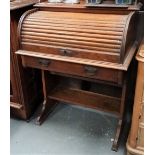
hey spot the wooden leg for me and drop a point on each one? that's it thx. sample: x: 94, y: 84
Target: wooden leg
x: 119, y: 127
x: 117, y: 136
x: 47, y: 108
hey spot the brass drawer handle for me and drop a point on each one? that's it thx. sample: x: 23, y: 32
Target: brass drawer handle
x: 66, y: 52
x: 44, y: 62
x: 90, y: 71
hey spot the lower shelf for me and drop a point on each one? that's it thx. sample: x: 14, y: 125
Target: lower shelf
x: 87, y: 99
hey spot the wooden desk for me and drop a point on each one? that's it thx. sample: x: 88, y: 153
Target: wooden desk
x: 78, y: 48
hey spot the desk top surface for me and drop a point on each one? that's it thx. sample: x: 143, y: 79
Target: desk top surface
x: 17, y: 4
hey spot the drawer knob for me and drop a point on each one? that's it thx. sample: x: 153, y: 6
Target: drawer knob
x: 66, y: 52
x: 90, y: 71
x: 44, y: 62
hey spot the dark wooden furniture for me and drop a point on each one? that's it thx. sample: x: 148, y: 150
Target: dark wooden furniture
x: 135, y: 144
x: 78, y: 47
x: 25, y: 90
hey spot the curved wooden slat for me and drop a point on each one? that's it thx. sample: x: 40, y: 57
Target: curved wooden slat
x: 82, y: 32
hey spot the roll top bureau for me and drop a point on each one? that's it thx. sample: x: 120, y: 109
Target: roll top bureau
x: 82, y: 35
x: 86, y: 45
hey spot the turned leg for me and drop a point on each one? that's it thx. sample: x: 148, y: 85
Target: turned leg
x: 47, y: 106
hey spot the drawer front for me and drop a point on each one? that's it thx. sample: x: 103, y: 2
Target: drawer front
x: 72, y: 68
x: 71, y: 52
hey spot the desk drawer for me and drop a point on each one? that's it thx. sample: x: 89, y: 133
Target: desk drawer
x: 110, y: 75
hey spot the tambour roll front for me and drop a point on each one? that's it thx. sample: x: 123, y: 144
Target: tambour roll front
x: 102, y: 37
x: 85, y: 45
